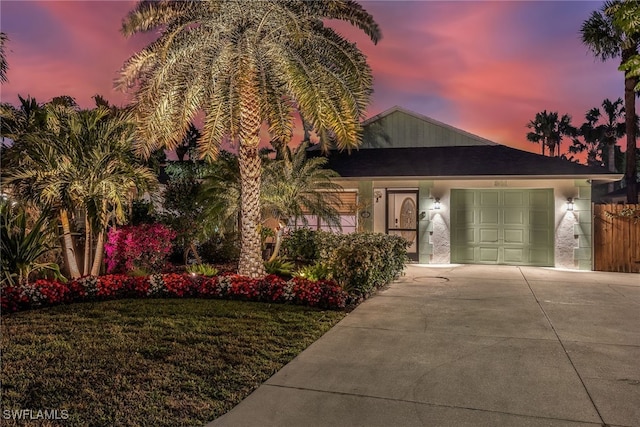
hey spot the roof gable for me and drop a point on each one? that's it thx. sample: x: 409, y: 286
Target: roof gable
x: 400, y: 128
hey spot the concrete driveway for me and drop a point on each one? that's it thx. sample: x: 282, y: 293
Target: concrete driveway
x: 468, y: 346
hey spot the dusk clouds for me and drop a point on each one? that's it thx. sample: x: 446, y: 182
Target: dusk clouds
x: 486, y: 67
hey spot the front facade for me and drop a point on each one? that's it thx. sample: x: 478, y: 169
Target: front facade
x: 462, y: 199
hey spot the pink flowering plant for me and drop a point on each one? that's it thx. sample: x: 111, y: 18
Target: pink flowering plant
x: 144, y: 246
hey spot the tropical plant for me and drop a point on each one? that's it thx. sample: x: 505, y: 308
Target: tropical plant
x: 145, y: 246
x: 279, y: 266
x: 77, y: 162
x: 611, y: 32
x: 590, y: 139
x: 317, y: 271
x: 549, y: 130
x: 206, y: 270
x: 247, y: 64
x: 23, y: 246
x: 3, y: 58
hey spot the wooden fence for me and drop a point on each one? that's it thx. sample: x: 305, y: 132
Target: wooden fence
x: 616, y: 238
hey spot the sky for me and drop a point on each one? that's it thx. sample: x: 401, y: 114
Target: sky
x: 483, y: 66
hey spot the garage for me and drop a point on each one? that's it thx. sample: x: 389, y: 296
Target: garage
x: 502, y: 226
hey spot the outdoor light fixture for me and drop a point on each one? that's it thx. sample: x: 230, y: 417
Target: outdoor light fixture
x: 570, y: 204
x: 436, y: 204
x: 378, y: 195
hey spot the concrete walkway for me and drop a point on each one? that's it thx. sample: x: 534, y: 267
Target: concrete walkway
x: 468, y: 346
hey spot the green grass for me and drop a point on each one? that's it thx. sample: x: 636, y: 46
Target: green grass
x: 149, y: 362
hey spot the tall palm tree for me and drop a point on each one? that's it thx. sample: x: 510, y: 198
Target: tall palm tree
x: 29, y: 117
x: 607, y: 39
x: 3, y: 58
x: 248, y: 65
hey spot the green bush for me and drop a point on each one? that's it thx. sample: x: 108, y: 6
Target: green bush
x: 221, y: 248
x: 279, y: 266
x: 315, y: 272
x: 206, y: 270
x: 359, y: 262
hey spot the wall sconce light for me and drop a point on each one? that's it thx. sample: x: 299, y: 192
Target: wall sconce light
x: 436, y: 204
x: 423, y: 215
x: 377, y: 195
x: 570, y: 204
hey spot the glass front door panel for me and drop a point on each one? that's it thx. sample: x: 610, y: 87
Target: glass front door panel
x: 402, y: 217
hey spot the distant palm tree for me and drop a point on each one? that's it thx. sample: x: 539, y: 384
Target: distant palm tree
x: 3, y: 58
x: 607, y: 39
x: 29, y: 117
x: 612, y: 129
x: 549, y: 130
x: 591, y: 138
x: 248, y: 64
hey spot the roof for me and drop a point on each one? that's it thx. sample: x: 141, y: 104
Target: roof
x: 401, y: 128
x: 457, y: 161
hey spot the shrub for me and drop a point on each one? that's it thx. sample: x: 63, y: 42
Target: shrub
x: 144, y: 246
x: 221, y: 248
x: 202, y: 269
x: 359, y: 262
x: 317, y: 271
x: 279, y: 266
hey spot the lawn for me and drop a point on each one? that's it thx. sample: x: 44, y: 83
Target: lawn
x: 158, y: 362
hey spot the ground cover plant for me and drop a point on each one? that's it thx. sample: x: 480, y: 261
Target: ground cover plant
x: 157, y: 362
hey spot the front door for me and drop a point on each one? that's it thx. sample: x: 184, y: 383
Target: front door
x: 402, y: 218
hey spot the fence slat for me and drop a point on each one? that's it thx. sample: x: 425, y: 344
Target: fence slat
x: 616, y: 239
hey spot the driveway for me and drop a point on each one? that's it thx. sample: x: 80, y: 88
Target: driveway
x: 468, y: 346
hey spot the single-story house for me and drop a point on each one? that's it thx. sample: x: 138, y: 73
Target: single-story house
x: 460, y: 198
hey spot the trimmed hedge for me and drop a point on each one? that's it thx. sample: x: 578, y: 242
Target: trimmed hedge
x: 323, y: 293
x: 359, y: 262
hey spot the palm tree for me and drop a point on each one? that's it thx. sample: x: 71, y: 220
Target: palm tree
x: 548, y: 130
x: 15, y: 123
x: 3, y: 58
x: 292, y: 187
x: 39, y: 169
x: 296, y: 185
x: 591, y: 138
x: 607, y: 39
x: 110, y: 174
x: 248, y: 65
x: 612, y: 129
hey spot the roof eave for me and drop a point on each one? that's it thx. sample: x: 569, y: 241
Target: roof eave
x: 604, y: 178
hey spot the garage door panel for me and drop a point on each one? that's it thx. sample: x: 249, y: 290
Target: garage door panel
x: 513, y: 198
x: 489, y: 216
x: 489, y: 198
x: 488, y: 235
x: 514, y: 236
x: 514, y: 216
x: 506, y: 226
x: 489, y: 255
x: 514, y: 255
x: 539, y: 219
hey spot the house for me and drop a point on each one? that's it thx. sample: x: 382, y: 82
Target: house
x: 460, y: 198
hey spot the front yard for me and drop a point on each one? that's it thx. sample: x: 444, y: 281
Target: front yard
x: 160, y: 362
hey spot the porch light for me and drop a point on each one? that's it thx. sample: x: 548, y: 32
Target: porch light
x: 570, y: 204
x: 436, y: 204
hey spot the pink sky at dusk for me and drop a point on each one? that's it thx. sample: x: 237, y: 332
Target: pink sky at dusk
x: 484, y: 66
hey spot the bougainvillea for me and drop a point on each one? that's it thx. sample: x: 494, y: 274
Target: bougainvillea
x: 144, y: 246
x: 324, y: 293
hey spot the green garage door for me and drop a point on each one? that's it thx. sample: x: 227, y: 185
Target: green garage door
x: 502, y: 227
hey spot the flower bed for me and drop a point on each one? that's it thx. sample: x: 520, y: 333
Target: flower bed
x: 322, y: 294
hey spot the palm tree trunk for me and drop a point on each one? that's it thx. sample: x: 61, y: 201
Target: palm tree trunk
x: 630, y: 124
x: 69, y: 247
x: 87, y: 243
x: 97, y: 258
x: 250, y: 251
